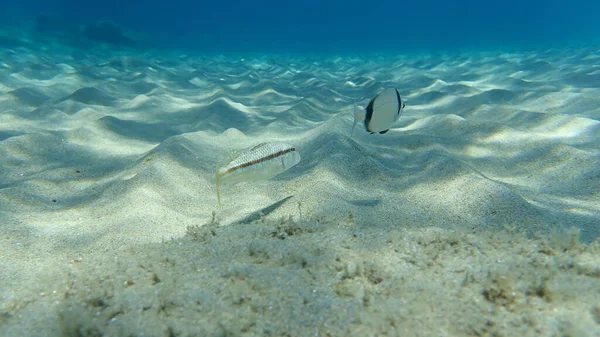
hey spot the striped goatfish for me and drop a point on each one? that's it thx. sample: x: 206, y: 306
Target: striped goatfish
x: 261, y: 162
x: 381, y: 113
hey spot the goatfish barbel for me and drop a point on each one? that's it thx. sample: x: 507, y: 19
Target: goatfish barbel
x: 260, y: 162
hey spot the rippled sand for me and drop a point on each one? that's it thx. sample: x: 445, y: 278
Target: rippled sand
x: 439, y: 227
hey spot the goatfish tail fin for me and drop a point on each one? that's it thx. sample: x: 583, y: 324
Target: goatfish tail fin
x: 217, y: 178
x: 355, y: 120
x: 358, y: 116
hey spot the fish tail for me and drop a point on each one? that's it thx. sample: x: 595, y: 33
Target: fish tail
x: 355, y: 120
x: 217, y: 181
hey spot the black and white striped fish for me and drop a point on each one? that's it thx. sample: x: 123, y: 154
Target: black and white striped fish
x: 381, y: 113
x: 261, y: 162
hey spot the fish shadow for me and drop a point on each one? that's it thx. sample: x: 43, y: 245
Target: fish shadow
x: 365, y: 202
x: 254, y: 216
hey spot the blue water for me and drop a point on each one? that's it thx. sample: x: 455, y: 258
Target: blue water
x: 311, y: 25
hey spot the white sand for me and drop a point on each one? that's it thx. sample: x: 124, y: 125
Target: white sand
x: 105, y: 157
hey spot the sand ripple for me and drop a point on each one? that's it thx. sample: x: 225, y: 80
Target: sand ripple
x: 101, y: 151
x: 479, y: 131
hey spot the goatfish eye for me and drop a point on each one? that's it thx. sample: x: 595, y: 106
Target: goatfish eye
x: 260, y: 162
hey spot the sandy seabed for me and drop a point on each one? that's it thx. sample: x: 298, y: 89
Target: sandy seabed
x: 478, y: 214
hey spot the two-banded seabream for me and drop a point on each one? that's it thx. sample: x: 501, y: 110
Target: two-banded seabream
x: 381, y: 112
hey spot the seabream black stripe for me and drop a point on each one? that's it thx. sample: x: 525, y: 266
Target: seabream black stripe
x: 399, y: 102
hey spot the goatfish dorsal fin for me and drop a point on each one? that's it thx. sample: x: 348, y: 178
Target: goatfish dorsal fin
x: 256, y: 147
x: 260, y: 162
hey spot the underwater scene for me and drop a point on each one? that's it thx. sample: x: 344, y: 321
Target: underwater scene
x: 310, y: 168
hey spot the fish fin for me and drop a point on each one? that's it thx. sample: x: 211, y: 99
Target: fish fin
x: 358, y: 116
x: 256, y: 147
x: 384, y: 131
x: 217, y: 176
x: 232, y: 155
